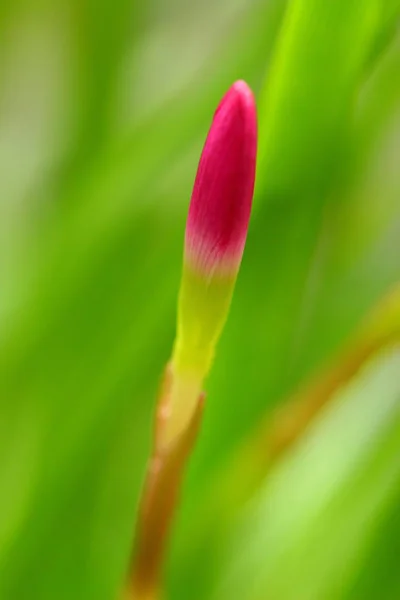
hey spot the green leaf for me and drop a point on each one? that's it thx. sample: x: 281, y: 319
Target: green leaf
x: 306, y: 533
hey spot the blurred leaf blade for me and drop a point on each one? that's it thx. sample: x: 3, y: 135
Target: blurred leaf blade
x: 308, y: 95
x: 325, y: 523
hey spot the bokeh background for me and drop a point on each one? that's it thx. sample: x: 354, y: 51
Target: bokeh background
x: 104, y: 106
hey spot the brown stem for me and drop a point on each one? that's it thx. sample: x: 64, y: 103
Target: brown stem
x: 159, y: 500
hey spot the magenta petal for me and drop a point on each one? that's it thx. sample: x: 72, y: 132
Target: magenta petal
x: 223, y: 190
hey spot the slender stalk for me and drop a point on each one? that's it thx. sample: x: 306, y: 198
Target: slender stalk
x: 215, y: 237
x: 159, y: 499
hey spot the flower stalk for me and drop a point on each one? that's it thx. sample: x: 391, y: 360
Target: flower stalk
x: 159, y: 499
x: 215, y: 237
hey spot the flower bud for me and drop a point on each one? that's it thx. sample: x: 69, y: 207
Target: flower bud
x: 220, y: 206
x: 216, y: 232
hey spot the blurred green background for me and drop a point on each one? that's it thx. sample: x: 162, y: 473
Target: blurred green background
x: 104, y: 106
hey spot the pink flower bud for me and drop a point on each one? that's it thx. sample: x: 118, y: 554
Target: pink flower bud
x: 215, y: 237
x: 223, y: 190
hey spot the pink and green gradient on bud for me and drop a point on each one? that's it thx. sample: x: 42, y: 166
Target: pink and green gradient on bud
x: 215, y: 237
x: 221, y: 201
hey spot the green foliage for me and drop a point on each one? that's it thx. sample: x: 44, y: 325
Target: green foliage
x: 98, y: 148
